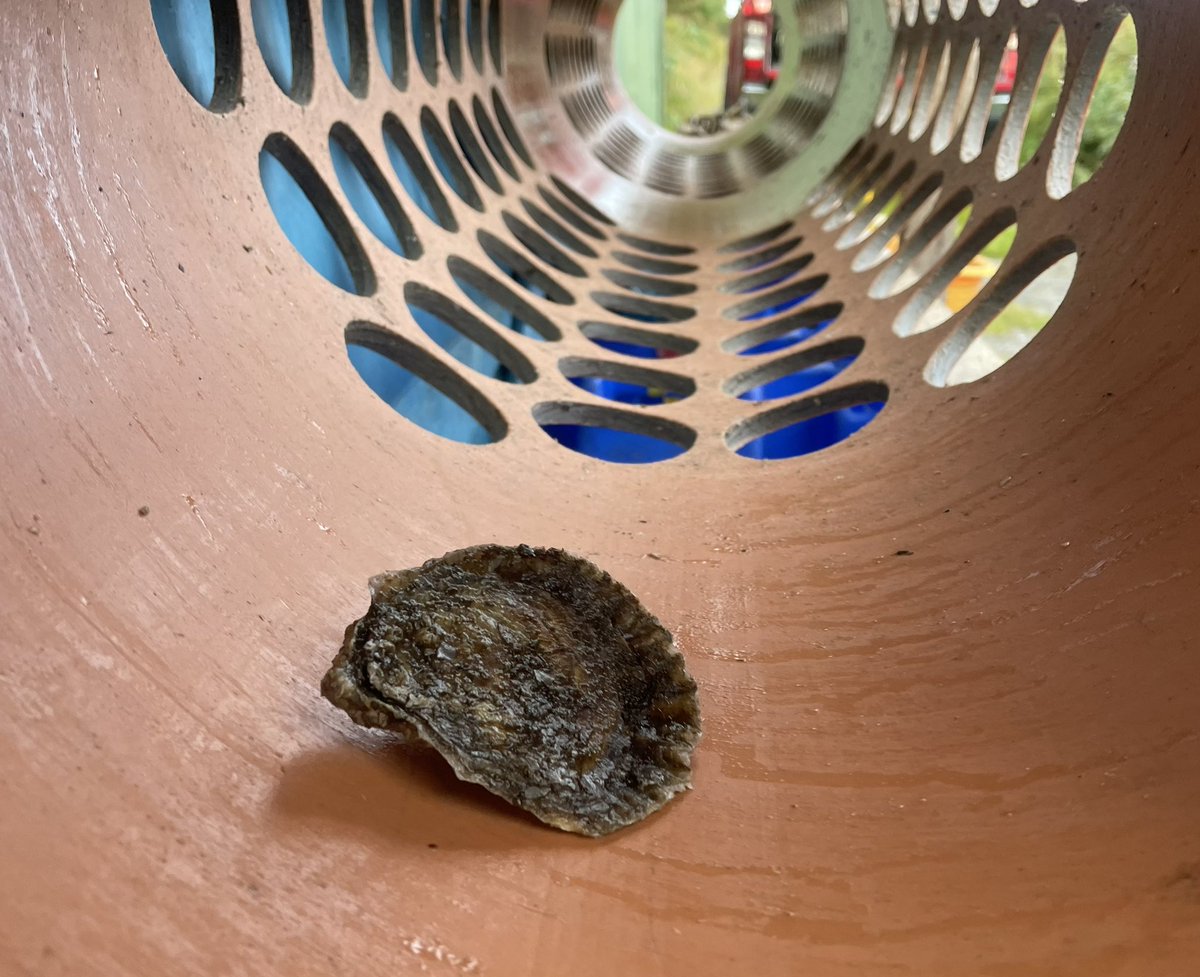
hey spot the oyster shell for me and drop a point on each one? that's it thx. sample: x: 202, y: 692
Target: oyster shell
x: 534, y: 674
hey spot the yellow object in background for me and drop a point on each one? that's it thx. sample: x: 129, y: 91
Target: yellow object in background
x: 969, y: 282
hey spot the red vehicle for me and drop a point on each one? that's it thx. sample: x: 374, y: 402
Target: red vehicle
x: 1006, y: 77
x: 753, y: 53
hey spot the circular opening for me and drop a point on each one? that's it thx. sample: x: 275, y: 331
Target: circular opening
x: 642, y: 344
x: 1035, y: 98
x: 451, y: 25
x: 445, y: 157
x: 795, y: 373
x: 420, y: 387
x: 755, y: 78
x: 625, y: 383
x: 808, y: 425
x: 673, y: 58
x: 202, y: 42
x: 501, y: 302
x: 1097, y: 106
x: 424, y: 36
x: 310, y: 217
x: 1018, y: 310
x: 346, y: 35
x: 612, y: 434
x: 465, y: 337
x: 369, y: 193
x: 964, y: 274
x: 283, y: 29
x: 391, y: 37
x: 784, y: 332
x: 414, y: 174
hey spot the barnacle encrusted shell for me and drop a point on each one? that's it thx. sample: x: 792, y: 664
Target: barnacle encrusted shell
x: 533, y: 673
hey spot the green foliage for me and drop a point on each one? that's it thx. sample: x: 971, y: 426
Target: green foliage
x: 695, y: 49
x: 1015, y: 321
x: 1110, y: 102
x: 998, y: 248
x: 1045, y: 97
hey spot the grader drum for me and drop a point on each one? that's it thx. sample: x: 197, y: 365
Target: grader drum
x: 879, y: 400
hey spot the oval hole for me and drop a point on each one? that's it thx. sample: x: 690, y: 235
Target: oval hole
x: 808, y: 425
x: 522, y: 271
x: 202, y: 42
x: 960, y: 279
x: 391, y: 37
x: 644, y: 344
x: 1035, y: 101
x: 993, y: 94
x: 414, y: 174
x: 451, y: 20
x: 656, y: 247
x: 471, y: 149
x: 579, y: 201
x: 509, y: 128
x: 500, y: 302
x: 625, y: 383
x: 928, y: 245
x: 1013, y: 317
x: 369, y: 194
x: 310, y: 217
x: 859, y: 197
x: 878, y: 209
x: 891, y: 88
x: 830, y: 191
x: 567, y: 214
x: 346, y: 35
x: 774, y: 302
x: 642, y: 310
x: 447, y: 161
x: 465, y: 337
x: 775, y: 275
x: 283, y: 29
x: 538, y: 246
x: 611, y: 434
x: 795, y: 373
x: 964, y: 76
x: 556, y: 230
x: 757, y: 240
x: 653, y: 266
x: 474, y: 31
x: 424, y: 36
x: 647, y: 284
x: 491, y: 138
x: 494, y: 36
x: 420, y: 387
x: 759, y: 259
x: 784, y: 332
x: 899, y: 226
x: 1096, y: 109
x: 929, y: 99
x: 914, y: 70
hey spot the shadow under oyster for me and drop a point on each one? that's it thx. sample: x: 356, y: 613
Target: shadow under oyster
x: 534, y: 674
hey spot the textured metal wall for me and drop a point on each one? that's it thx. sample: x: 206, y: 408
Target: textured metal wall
x: 948, y: 663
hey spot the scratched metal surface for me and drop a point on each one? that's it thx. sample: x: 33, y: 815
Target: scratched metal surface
x: 980, y: 758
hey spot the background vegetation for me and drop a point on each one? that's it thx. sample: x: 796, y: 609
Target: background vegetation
x: 696, y: 53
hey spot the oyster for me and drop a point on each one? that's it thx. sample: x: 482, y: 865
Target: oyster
x: 534, y: 674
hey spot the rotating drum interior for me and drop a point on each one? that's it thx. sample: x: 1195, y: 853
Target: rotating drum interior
x: 882, y: 404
